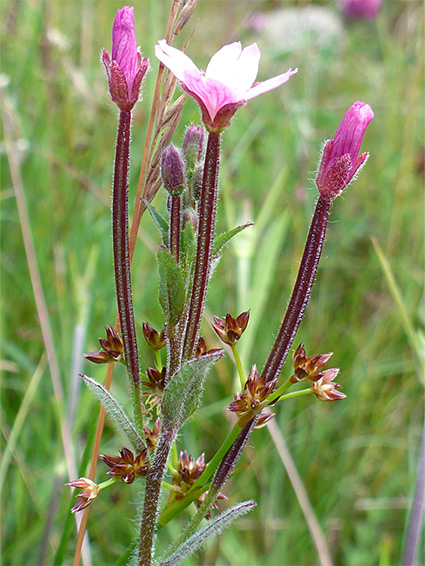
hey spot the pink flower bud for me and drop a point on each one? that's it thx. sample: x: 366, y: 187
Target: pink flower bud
x: 172, y: 170
x: 126, y: 67
x: 340, y: 158
x: 361, y: 9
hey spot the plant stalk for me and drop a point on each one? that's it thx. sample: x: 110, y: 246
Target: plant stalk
x: 206, y: 225
x: 122, y: 259
x: 152, y: 492
x: 302, y: 290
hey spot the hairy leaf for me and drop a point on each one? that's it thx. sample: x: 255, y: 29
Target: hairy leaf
x: 161, y: 222
x: 171, y: 287
x: 213, y: 528
x: 182, y: 395
x: 221, y: 240
x: 115, y: 412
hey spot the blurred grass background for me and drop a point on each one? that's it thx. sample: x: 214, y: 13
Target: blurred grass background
x: 357, y: 459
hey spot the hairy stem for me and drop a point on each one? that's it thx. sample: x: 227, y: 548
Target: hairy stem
x: 206, y: 225
x: 175, y: 227
x: 301, y: 292
x: 152, y: 492
x: 122, y: 259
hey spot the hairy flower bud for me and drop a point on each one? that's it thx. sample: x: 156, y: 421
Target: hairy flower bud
x: 173, y: 170
x: 126, y: 67
x: 340, y: 158
x: 193, y: 145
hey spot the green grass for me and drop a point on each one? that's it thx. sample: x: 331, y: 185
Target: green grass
x: 357, y: 459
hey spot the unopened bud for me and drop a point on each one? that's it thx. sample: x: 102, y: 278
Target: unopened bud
x: 193, y: 145
x: 154, y: 339
x: 173, y: 170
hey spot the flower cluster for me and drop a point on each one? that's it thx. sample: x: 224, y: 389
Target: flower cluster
x: 255, y: 392
x: 231, y: 329
x: 188, y: 471
x: 155, y: 385
x: 154, y: 339
x: 127, y: 467
x: 87, y: 496
x: 112, y: 348
x: 309, y: 368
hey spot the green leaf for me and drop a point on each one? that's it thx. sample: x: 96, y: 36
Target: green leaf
x: 161, y: 222
x: 171, y: 287
x: 221, y: 240
x: 183, y: 393
x: 115, y: 412
x: 213, y: 528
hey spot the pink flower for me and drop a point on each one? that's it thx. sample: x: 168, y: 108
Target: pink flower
x: 227, y: 83
x: 126, y: 67
x: 362, y: 9
x: 340, y: 159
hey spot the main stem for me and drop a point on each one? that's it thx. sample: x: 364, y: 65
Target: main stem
x: 206, y: 225
x: 302, y: 290
x: 122, y: 258
x: 152, y: 492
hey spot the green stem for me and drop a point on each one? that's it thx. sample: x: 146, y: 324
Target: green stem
x: 193, y: 493
x: 107, y: 483
x: 277, y: 394
x: 238, y: 363
x: 158, y: 360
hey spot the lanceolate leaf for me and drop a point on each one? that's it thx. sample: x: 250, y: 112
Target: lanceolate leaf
x: 214, y: 527
x: 171, y: 287
x: 161, y: 222
x: 182, y: 395
x: 115, y: 412
x: 188, y: 247
x: 221, y: 240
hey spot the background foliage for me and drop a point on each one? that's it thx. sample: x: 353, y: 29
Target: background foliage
x: 357, y: 458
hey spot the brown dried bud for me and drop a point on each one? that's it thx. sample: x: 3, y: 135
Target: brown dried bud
x: 152, y: 435
x: 201, y: 349
x: 154, y: 339
x: 308, y: 368
x: 91, y: 491
x: 256, y: 391
x: 188, y: 471
x: 127, y: 467
x: 112, y: 348
x: 230, y: 330
x: 156, y: 385
x: 325, y: 389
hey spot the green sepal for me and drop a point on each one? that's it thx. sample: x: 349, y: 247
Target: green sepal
x: 183, y: 393
x: 171, y: 287
x: 221, y: 240
x: 161, y: 222
x: 115, y: 412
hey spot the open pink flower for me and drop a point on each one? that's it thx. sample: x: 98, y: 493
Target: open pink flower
x: 126, y: 67
x: 340, y: 159
x: 227, y: 83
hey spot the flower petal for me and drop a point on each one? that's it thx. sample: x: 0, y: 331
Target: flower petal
x: 213, y: 94
x: 270, y: 84
x: 177, y: 61
x: 222, y: 65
